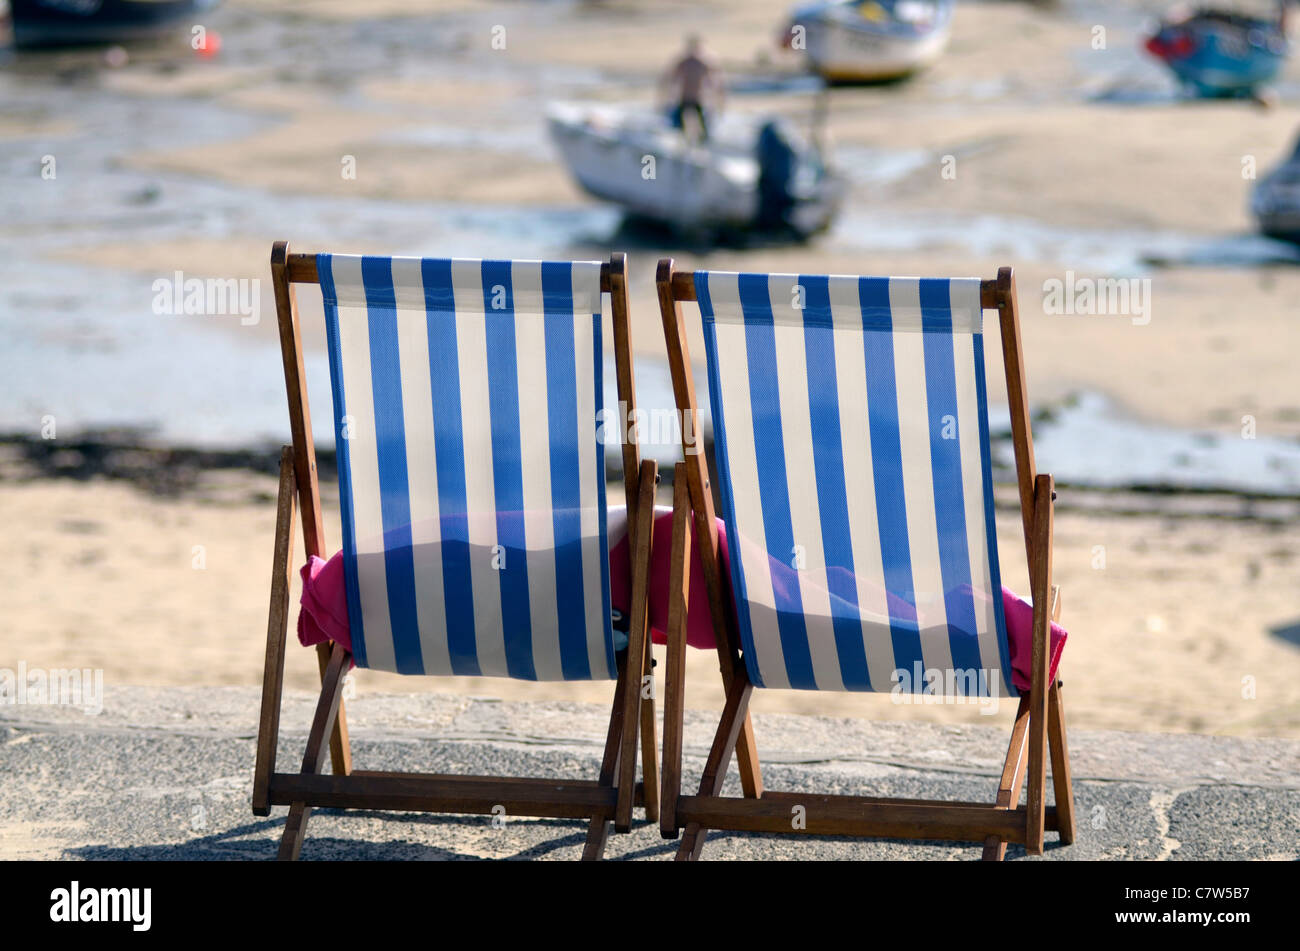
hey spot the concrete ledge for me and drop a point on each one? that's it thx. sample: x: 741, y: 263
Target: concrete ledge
x: 166, y: 773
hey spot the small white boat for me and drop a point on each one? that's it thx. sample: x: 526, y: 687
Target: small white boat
x: 639, y: 161
x: 871, y: 40
x: 1275, y: 202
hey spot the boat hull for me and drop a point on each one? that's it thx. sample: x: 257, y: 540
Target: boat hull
x: 39, y: 23
x: 1275, y: 200
x: 1221, y: 55
x: 853, y: 56
x: 655, y: 175
x: 843, y: 47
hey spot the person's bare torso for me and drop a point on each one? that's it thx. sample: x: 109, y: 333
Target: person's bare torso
x: 693, y: 77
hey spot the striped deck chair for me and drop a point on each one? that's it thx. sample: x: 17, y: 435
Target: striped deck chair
x: 853, y: 470
x: 466, y: 397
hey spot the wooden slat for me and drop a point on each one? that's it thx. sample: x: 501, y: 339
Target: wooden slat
x: 614, y: 280
x: 423, y: 792
x: 295, y: 382
x: 642, y: 535
x: 684, y: 289
x: 625, y: 377
x: 468, y: 779
x: 1022, y: 438
x: 327, y: 708
x: 679, y: 596
x: 1040, y: 656
x: 593, y: 848
x: 304, y: 449
x: 615, y: 275
x: 1060, y: 750
x: 301, y: 269
x: 805, y: 799
x: 734, y: 716
x: 295, y: 829
x: 322, y: 726
x: 650, y: 741
x: 706, y: 529
x: 268, y: 729
x: 856, y: 817
x: 340, y: 747
x: 1013, y: 775
x: 598, y: 830
x: 637, y: 633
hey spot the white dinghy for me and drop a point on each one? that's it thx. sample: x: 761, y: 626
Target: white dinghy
x: 748, y: 176
x: 851, y: 41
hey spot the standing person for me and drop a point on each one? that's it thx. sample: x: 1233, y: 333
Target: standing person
x: 695, y: 85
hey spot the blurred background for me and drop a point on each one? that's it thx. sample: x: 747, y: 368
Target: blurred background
x: 145, y: 145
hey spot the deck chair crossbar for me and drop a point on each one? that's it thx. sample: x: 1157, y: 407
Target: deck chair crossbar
x: 1038, y: 729
x: 608, y: 799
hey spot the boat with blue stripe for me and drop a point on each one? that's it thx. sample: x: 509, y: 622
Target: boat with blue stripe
x: 1221, y: 53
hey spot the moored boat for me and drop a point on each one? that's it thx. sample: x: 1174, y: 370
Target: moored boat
x: 870, y: 40
x: 83, y: 22
x: 747, y: 176
x: 1275, y: 200
x: 1221, y: 53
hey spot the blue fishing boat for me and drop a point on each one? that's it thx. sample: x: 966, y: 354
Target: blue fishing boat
x: 1219, y: 53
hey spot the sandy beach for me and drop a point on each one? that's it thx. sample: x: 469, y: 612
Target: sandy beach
x: 1183, y: 612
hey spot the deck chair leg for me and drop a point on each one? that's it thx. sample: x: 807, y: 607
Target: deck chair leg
x: 715, y: 767
x: 1041, y: 582
x: 1060, y: 751
x: 1013, y: 775
x: 637, y: 636
x: 268, y: 729
x: 751, y: 779
x: 597, y: 835
x: 340, y: 748
x: 598, y: 830
x: 322, y: 726
x: 650, y: 744
x: 679, y: 588
x: 295, y: 828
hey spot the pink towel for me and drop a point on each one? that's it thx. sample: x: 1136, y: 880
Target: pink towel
x: 324, y: 615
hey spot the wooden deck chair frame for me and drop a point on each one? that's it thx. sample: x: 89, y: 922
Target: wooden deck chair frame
x: 1040, y: 718
x: 609, y: 798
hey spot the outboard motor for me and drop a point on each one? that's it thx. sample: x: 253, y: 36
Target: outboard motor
x: 777, y: 157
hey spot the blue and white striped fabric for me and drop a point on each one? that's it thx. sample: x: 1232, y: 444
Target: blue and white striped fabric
x: 851, y: 431
x: 472, y: 482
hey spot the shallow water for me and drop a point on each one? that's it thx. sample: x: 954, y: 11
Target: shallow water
x: 1087, y: 441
